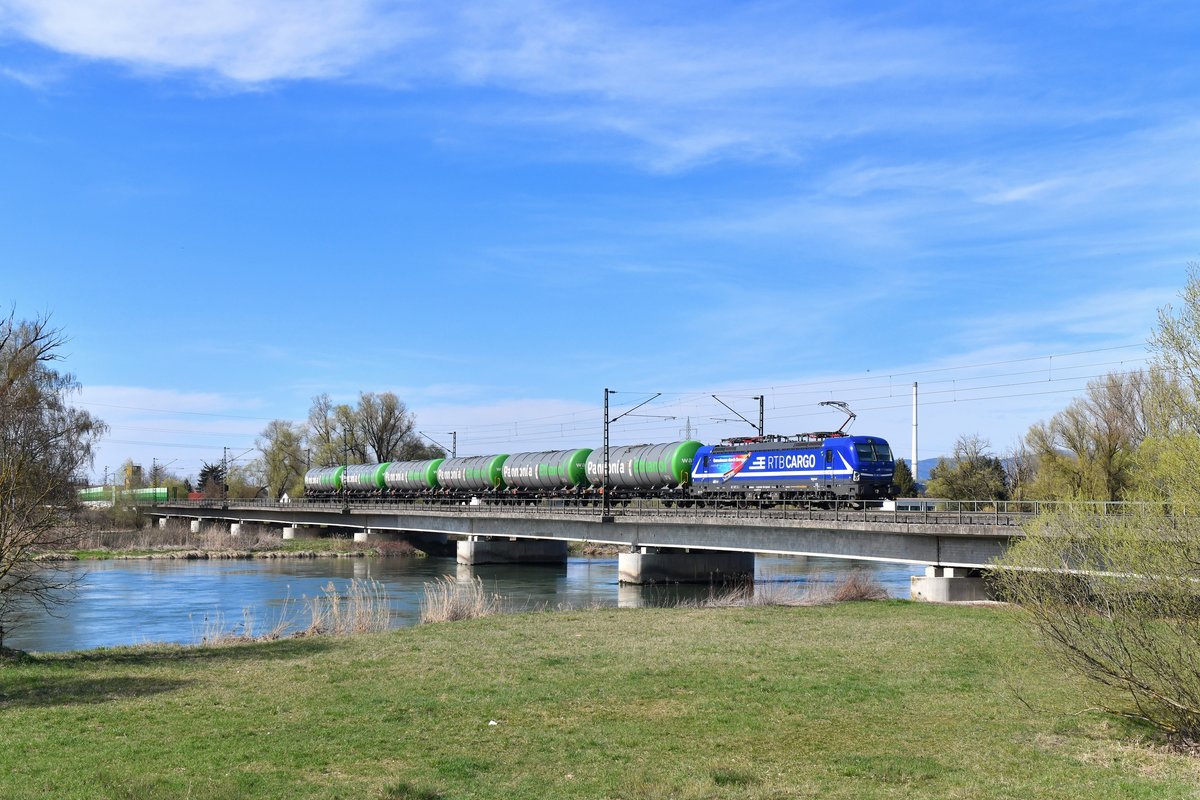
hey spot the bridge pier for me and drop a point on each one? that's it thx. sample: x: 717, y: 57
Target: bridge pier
x: 301, y: 532
x: 683, y: 566
x: 949, y: 585
x: 475, y: 551
x: 194, y: 526
x: 162, y: 522
x: 235, y: 529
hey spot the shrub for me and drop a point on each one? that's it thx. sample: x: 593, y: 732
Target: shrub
x: 1118, y: 600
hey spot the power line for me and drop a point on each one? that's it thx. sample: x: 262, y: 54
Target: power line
x: 175, y: 411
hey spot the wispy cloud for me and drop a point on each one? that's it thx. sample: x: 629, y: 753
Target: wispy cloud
x: 756, y: 81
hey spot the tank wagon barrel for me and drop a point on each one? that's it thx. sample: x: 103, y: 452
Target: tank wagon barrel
x: 360, y: 478
x: 550, y: 469
x: 412, y: 476
x: 644, y: 466
x: 473, y: 473
x: 323, y: 480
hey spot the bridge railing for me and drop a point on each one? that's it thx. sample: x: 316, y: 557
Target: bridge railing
x: 922, y: 510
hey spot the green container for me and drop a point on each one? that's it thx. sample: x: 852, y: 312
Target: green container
x: 413, y: 476
x: 364, y: 477
x: 644, y: 466
x: 473, y: 473
x: 551, y: 469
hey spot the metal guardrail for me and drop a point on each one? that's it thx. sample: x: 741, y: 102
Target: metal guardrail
x: 1002, y: 513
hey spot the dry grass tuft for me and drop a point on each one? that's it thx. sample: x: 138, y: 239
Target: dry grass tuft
x: 854, y: 587
x: 447, y: 600
x: 363, y: 608
x: 745, y: 595
x: 212, y: 631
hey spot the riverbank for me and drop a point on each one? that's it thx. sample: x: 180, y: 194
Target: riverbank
x: 857, y: 700
x: 333, y: 548
x: 178, y: 542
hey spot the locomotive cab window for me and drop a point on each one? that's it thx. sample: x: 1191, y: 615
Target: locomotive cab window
x: 873, y: 452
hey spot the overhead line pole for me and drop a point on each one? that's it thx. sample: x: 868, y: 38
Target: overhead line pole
x: 914, y: 435
x: 759, y: 398
x: 606, y: 504
x: 453, y: 441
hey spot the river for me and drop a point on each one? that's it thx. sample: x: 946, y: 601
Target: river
x: 136, y: 602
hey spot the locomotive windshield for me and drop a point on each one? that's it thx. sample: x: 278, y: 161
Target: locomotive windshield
x: 868, y: 451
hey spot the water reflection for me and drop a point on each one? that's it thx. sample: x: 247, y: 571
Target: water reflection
x: 131, y: 602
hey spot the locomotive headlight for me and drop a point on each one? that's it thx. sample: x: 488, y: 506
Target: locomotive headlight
x: 855, y: 477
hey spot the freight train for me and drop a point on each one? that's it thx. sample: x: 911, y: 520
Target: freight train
x: 811, y: 468
x: 110, y: 494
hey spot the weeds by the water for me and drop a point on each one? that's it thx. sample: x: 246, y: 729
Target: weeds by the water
x: 212, y: 629
x: 447, y: 600
x: 362, y: 608
x: 855, y: 586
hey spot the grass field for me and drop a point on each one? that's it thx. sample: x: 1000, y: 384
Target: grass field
x: 857, y: 700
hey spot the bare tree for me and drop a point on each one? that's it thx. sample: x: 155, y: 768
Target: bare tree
x: 324, y: 432
x: 385, y: 424
x: 1087, y: 450
x: 379, y: 428
x: 44, y: 443
x: 973, y: 473
x: 1020, y: 467
x: 283, y: 457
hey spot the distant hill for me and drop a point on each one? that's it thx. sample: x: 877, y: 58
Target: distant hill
x: 924, y: 467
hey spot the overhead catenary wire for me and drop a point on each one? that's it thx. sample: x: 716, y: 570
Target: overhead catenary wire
x: 570, y: 426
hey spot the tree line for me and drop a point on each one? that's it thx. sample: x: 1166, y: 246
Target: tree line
x: 377, y: 428
x: 1122, y: 439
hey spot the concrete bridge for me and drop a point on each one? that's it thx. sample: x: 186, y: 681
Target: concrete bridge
x: 955, y: 541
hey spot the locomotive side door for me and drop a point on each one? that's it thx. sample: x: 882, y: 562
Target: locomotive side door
x: 828, y: 456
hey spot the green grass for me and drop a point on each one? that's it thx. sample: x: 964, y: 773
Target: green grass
x: 862, y: 700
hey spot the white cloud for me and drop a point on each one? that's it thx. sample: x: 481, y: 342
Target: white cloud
x: 246, y: 41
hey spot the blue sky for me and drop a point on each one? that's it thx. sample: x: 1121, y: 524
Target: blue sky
x: 496, y: 210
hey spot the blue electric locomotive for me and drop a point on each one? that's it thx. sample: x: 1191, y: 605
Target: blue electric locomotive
x: 822, y: 466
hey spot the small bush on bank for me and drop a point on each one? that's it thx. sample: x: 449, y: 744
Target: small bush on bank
x: 1117, y: 600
